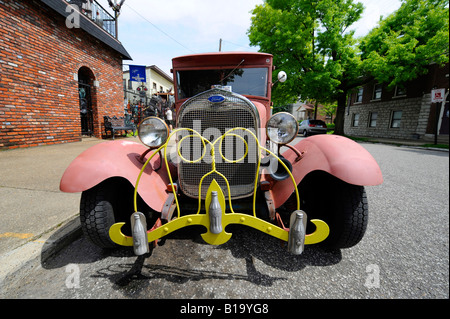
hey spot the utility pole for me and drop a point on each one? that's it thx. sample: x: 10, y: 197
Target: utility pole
x: 220, y: 45
x: 436, y: 127
x: 116, y: 16
x: 437, y: 97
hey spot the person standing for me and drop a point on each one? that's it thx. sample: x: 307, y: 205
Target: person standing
x: 169, y: 118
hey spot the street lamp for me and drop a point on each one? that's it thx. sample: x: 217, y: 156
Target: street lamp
x: 116, y: 8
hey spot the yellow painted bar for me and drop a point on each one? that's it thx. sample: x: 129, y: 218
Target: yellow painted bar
x: 321, y: 233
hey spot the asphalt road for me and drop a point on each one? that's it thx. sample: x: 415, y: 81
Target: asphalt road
x: 404, y: 254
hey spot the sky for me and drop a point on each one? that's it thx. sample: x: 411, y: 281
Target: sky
x: 154, y: 32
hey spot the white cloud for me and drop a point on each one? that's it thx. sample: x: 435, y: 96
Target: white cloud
x: 154, y: 32
x: 185, y: 12
x: 374, y: 9
x: 162, y: 30
x: 193, y: 23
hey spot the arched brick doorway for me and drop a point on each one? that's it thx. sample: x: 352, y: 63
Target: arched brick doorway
x: 87, y: 101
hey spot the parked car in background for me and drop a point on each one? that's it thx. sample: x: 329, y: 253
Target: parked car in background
x: 310, y: 127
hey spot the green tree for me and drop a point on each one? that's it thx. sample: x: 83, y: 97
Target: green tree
x: 280, y: 108
x: 407, y: 41
x: 328, y: 109
x: 310, y: 41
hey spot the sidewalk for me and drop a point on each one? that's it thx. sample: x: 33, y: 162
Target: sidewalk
x: 406, y: 143
x: 37, y: 218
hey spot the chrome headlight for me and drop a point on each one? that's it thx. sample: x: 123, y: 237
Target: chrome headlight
x: 153, y: 132
x: 282, y: 128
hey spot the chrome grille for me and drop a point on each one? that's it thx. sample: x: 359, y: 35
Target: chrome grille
x: 212, y: 120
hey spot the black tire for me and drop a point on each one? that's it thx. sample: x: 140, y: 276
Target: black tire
x: 305, y: 133
x: 97, y: 213
x: 108, y: 203
x: 341, y: 205
x: 349, y: 223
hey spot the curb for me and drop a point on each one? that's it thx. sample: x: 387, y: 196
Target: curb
x: 64, y: 235
x: 399, y: 143
x: 408, y: 146
x: 17, y: 263
x: 427, y: 148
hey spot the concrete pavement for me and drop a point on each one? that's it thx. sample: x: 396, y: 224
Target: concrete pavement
x: 37, y: 219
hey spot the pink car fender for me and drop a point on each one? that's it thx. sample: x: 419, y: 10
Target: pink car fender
x: 118, y: 159
x: 337, y: 155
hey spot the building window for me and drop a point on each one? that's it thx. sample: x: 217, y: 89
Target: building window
x: 161, y: 89
x: 400, y: 91
x: 154, y: 86
x: 377, y: 89
x: 373, y: 119
x: 396, y: 119
x: 359, y: 95
x: 355, y: 121
x: 130, y: 85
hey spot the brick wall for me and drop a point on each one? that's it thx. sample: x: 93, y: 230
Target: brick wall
x: 39, y: 62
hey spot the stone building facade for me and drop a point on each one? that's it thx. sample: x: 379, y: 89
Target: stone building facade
x: 400, y: 113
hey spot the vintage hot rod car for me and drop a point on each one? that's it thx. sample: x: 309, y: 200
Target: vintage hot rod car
x: 229, y: 160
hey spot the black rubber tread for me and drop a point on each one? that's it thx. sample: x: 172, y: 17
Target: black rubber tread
x: 353, y: 215
x: 107, y: 203
x: 97, y: 214
x: 342, y: 206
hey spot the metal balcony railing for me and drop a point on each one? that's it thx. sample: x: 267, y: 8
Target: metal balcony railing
x: 95, y: 12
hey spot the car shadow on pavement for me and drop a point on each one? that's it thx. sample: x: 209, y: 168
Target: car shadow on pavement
x: 137, y: 276
x: 132, y: 274
x: 246, y: 244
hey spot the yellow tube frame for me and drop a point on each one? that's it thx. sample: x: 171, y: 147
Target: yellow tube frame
x: 116, y: 235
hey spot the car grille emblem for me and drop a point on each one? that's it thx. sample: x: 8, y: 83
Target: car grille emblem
x: 216, y: 99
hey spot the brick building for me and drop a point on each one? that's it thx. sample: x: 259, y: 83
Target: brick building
x: 57, y: 80
x: 404, y: 112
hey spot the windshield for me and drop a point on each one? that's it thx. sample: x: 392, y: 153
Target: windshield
x: 247, y: 81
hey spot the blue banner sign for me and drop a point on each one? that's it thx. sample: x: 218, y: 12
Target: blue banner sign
x: 137, y: 73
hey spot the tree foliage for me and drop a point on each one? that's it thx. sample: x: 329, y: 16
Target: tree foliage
x: 328, y: 109
x: 311, y: 43
x: 407, y: 41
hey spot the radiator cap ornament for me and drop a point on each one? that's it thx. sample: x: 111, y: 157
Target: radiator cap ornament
x: 216, y: 99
